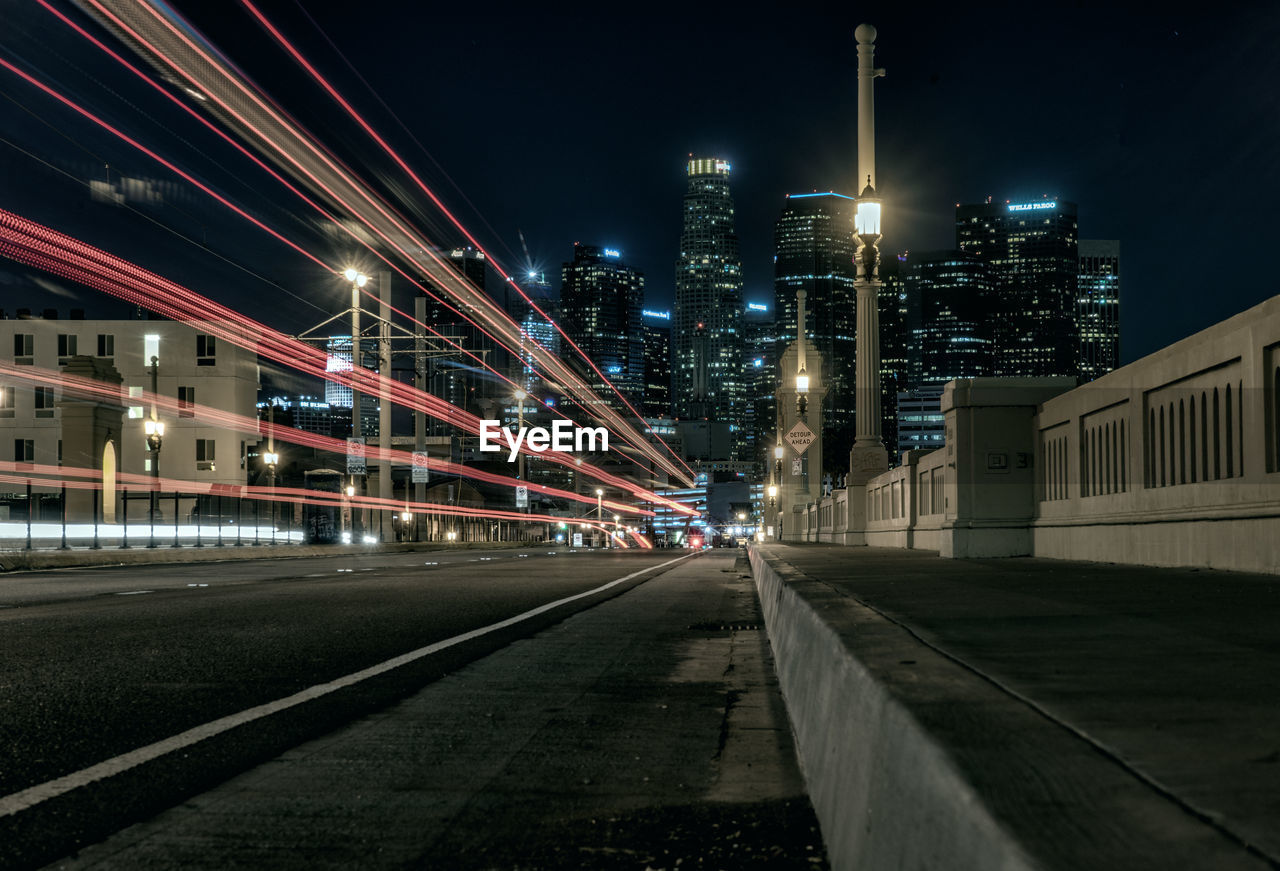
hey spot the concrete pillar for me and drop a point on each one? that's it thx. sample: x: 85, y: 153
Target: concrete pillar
x: 797, y: 490
x: 92, y: 429
x: 990, y: 491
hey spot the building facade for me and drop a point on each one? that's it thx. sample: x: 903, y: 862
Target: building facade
x: 814, y: 250
x: 656, y: 326
x: 459, y: 378
x: 194, y: 368
x: 535, y: 327
x: 707, y: 316
x: 953, y: 315
x: 760, y: 373
x: 601, y: 299
x: 895, y: 347
x: 1032, y: 251
x: 1098, y: 307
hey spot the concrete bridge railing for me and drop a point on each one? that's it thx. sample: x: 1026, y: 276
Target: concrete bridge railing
x: 1171, y: 460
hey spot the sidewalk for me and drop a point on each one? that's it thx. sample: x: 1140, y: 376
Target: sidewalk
x: 1031, y: 712
x: 647, y: 731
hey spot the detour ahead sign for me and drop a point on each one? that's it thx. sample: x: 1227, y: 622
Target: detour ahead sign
x: 800, y: 437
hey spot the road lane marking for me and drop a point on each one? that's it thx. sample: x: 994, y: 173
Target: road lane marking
x: 135, y: 592
x: 34, y: 795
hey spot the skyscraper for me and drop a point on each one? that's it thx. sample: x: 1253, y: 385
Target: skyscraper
x: 895, y: 346
x: 535, y: 328
x: 760, y: 365
x: 656, y: 326
x: 1031, y: 248
x: 1098, y: 307
x: 952, y: 332
x: 814, y: 245
x: 707, y: 317
x: 601, y: 298
x: 459, y: 378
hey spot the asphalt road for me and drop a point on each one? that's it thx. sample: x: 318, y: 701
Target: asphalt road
x: 95, y: 663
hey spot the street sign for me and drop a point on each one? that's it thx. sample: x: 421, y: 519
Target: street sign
x: 800, y: 437
x: 355, y: 457
x: 577, y: 539
x: 796, y: 469
x: 421, y: 473
x: 522, y: 497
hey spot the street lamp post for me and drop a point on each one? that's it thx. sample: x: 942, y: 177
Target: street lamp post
x: 271, y: 458
x: 358, y: 281
x: 868, y: 457
x: 599, y: 508
x: 350, y: 491
x: 154, y: 429
x: 155, y: 435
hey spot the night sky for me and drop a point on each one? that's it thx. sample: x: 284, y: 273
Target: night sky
x: 1163, y: 126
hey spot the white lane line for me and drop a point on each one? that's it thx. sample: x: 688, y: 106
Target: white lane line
x: 34, y: 795
x: 135, y: 592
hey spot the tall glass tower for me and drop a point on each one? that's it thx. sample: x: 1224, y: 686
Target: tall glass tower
x: 707, y: 317
x: 601, y: 299
x: 1098, y: 307
x: 1032, y: 249
x: 814, y: 250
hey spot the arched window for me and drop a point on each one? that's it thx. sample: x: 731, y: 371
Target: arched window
x: 1240, y: 424
x: 1182, y: 443
x: 1151, y: 452
x: 1231, y: 443
x: 1108, y: 456
x: 1124, y: 484
x: 1192, y: 432
x: 1096, y: 465
x: 1162, y: 444
x: 1204, y: 436
x: 1217, y: 439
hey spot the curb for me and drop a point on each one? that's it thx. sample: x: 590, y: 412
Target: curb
x: 886, y: 792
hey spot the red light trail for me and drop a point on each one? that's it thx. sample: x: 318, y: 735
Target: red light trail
x: 625, y: 433
x: 408, y: 170
x: 31, y: 243
x: 245, y: 110
x: 75, y: 478
x: 81, y: 386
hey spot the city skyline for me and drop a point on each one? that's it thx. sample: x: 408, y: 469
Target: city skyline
x: 1097, y: 151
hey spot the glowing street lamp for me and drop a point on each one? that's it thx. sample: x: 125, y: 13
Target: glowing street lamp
x: 349, y: 491
x: 154, y: 430
x: 866, y: 220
